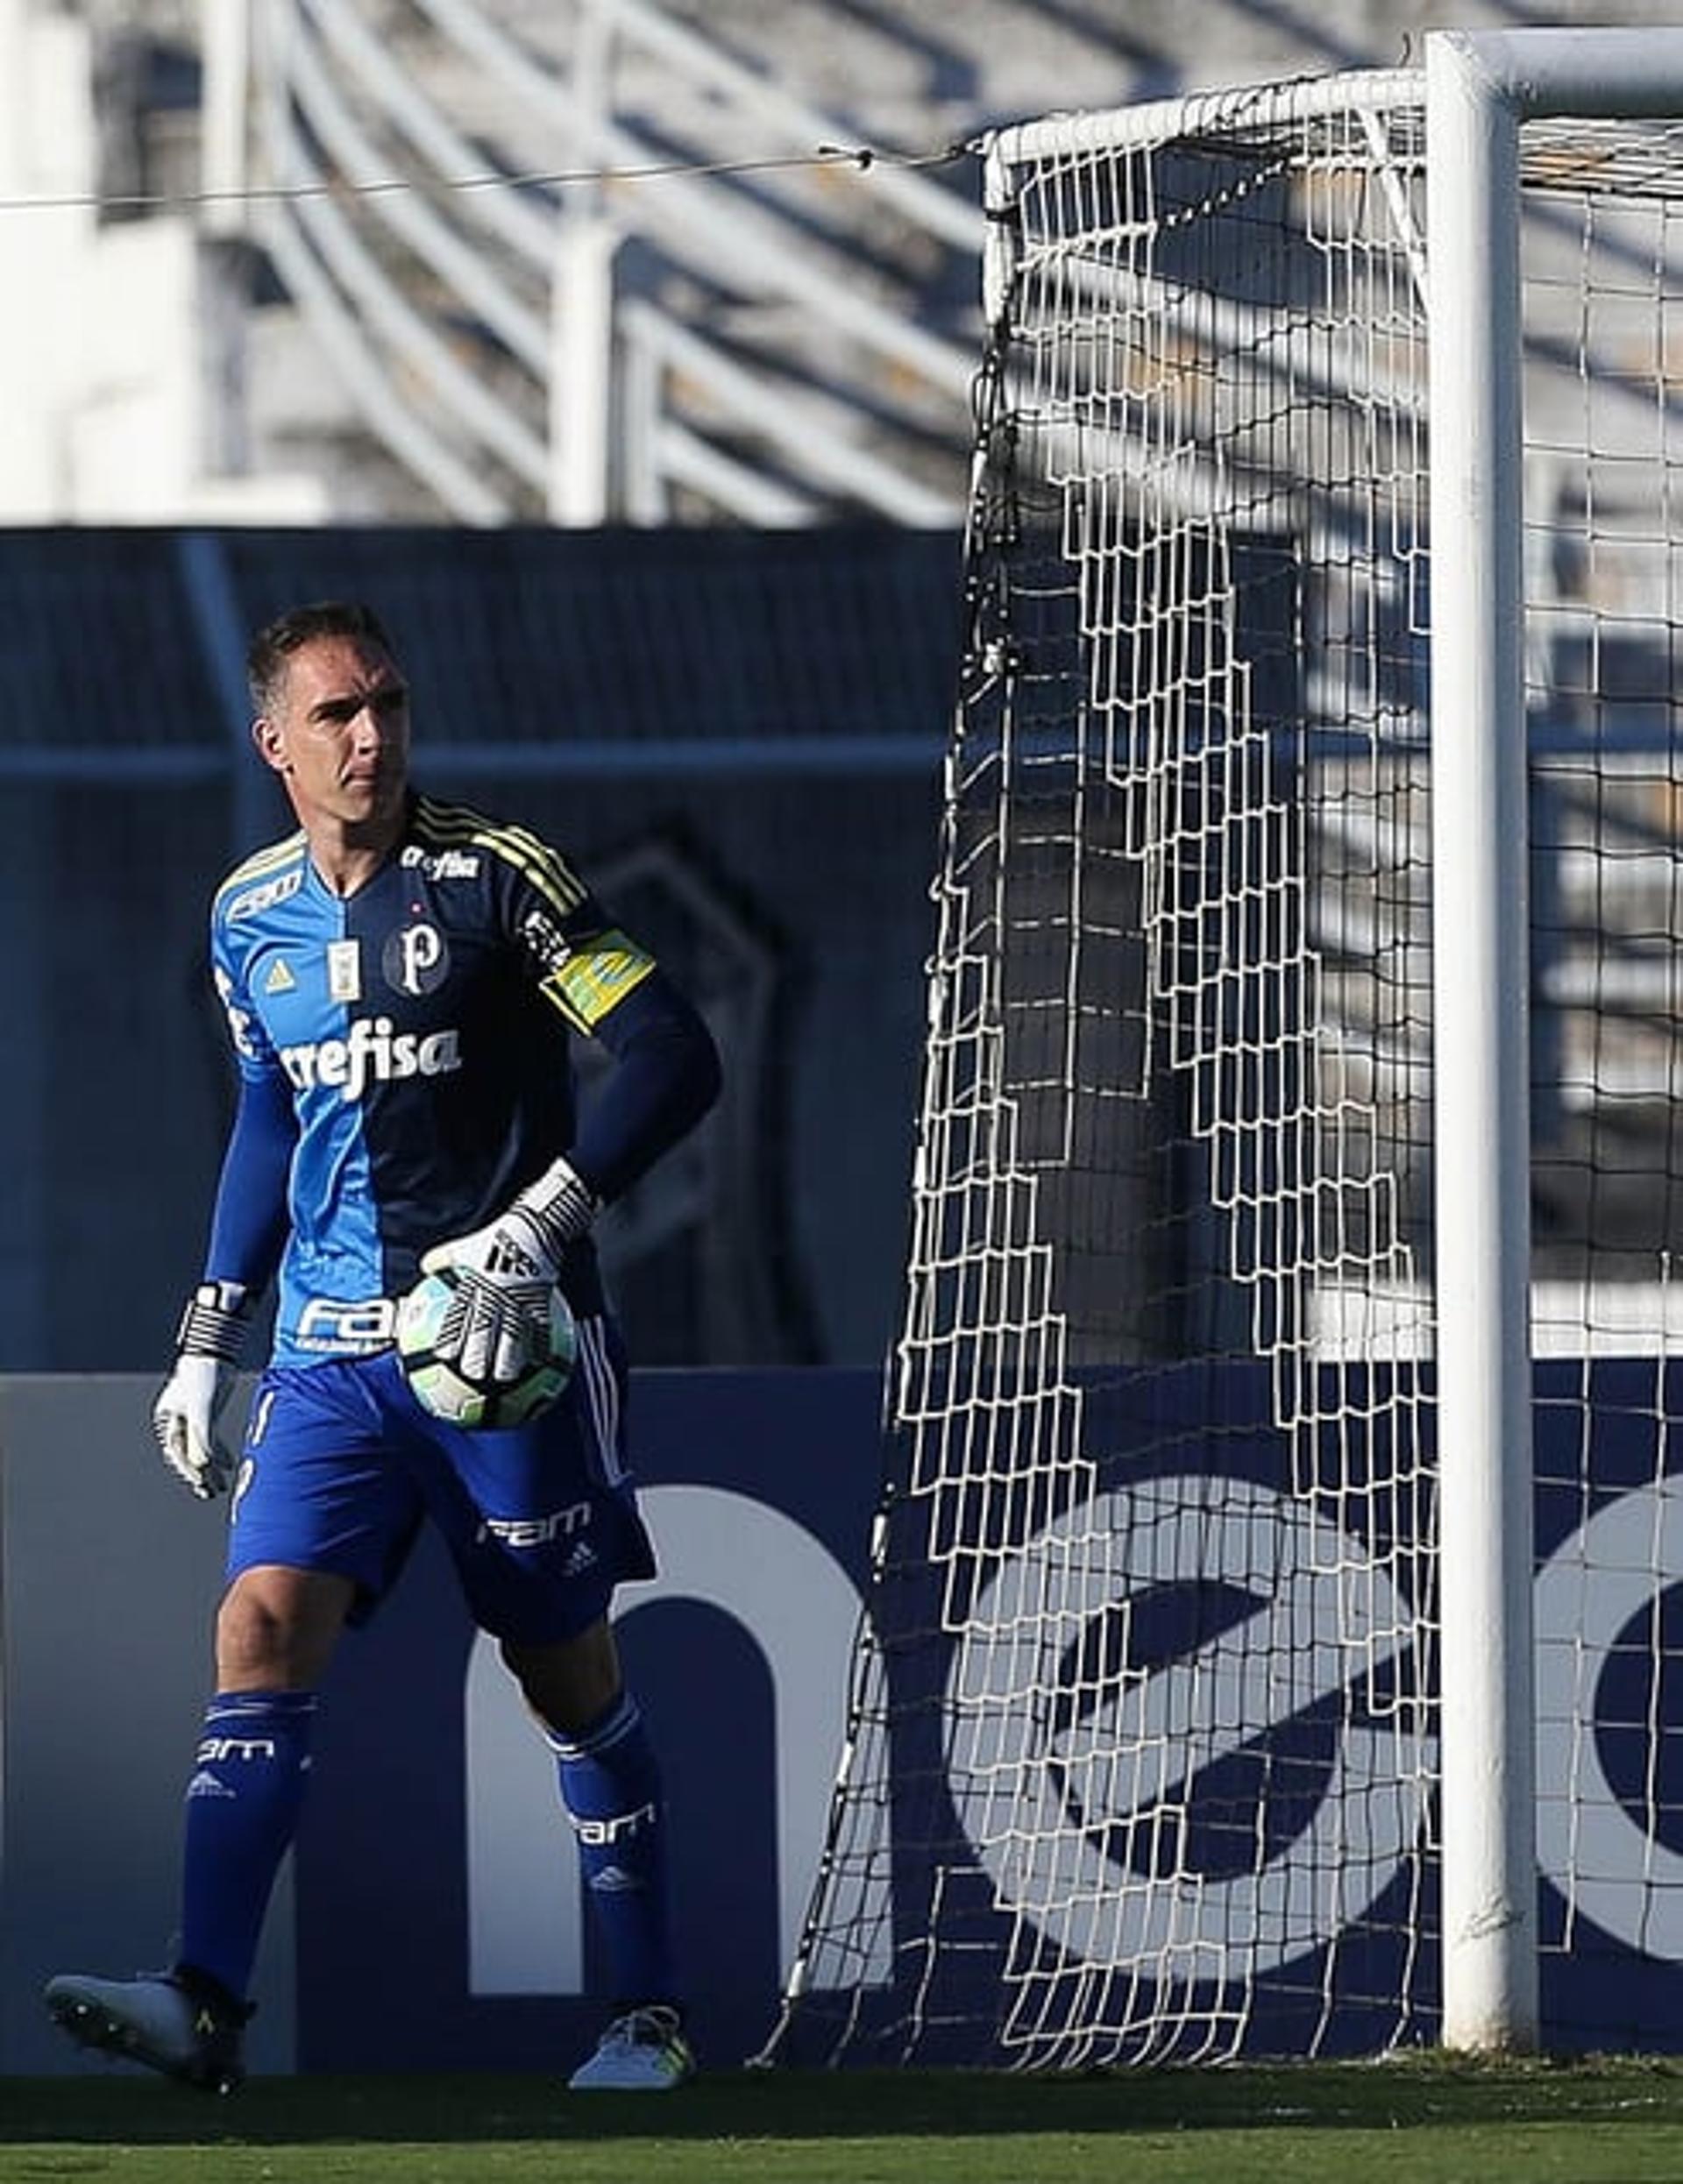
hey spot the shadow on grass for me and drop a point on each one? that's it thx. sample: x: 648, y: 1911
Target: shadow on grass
x: 111, y: 2105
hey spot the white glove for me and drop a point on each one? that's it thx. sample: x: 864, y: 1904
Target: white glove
x: 186, y: 1416
x: 498, y: 1321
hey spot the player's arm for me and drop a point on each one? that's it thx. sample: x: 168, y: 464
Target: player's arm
x: 665, y: 1077
x: 247, y: 1229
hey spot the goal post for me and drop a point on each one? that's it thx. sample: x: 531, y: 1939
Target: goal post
x: 1480, y: 89
x: 1295, y: 1183
x: 1481, y: 1053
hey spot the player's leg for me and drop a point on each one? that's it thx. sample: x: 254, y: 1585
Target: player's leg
x: 311, y: 1495
x: 275, y: 1633
x: 610, y: 1784
x: 543, y: 1527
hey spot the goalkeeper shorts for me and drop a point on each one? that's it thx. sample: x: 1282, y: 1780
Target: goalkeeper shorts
x: 341, y: 1467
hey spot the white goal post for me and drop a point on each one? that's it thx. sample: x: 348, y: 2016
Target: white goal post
x: 1479, y: 92
x: 1270, y: 1628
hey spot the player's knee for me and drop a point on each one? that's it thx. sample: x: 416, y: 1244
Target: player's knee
x: 570, y: 1685
x: 276, y: 1630
x: 255, y: 1646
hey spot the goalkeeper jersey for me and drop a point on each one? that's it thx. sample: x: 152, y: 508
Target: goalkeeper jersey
x: 406, y: 1065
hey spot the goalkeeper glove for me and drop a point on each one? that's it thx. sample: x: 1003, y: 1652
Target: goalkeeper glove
x: 186, y: 1416
x: 498, y: 1321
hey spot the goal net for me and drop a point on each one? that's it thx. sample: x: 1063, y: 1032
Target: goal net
x: 1143, y: 1756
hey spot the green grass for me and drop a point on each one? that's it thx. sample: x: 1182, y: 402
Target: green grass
x: 1422, y: 2120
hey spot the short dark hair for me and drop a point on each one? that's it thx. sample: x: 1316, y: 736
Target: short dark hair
x: 274, y: 646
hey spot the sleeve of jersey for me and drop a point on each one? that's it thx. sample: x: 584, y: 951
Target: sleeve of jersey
x: 665, y: 1077
x: 248, y: 1225
x: 666, y: 1068
x: 252, y: 1051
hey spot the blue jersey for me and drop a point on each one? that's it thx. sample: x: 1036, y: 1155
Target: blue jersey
x: 405, y: 1061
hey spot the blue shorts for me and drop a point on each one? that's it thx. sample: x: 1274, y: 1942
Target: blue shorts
x: 341, y: 1465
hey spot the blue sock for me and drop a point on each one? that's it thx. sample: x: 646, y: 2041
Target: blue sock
x: 242, y: 1809
x: 610, y: 1784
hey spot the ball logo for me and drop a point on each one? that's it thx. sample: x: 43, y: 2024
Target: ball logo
x: 1120, y: 1664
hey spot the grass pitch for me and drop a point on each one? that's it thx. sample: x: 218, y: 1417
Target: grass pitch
x: 1420, y: 2120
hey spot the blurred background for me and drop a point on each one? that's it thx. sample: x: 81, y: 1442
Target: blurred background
x: 622, y: 355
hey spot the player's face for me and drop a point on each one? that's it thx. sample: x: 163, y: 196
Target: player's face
x: 337, y: 732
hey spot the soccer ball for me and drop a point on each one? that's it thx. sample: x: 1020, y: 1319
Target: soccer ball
x: 448, y: 1393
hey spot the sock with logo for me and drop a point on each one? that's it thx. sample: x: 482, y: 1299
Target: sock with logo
x: 243, y: 1804
x: 610, y: 1784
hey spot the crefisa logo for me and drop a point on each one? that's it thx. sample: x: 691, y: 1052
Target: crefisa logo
x: 372, y: 1052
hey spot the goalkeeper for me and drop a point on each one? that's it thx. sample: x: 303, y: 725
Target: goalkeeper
x: 402, y: 980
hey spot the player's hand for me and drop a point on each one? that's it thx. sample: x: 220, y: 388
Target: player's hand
x: 498, y: 1322
x: 187, y: 1419
x: 186, y: 1416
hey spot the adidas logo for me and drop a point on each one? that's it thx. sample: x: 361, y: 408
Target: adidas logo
x: 205, y: 1784
x: 280, y: 979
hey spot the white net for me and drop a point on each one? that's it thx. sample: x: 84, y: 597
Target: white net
x: 1142, y: 1757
